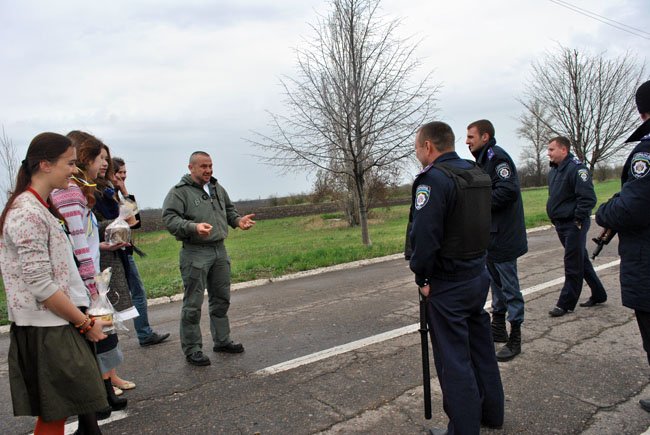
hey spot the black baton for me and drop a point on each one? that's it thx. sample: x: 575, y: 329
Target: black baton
x: 424, y: 338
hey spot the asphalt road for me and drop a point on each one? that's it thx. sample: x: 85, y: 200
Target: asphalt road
x: 581, y: 373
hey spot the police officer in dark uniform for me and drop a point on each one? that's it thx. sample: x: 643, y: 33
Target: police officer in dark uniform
x: 507, y: 236
x: 449, y: 236
x: 627, y: 214
x: 571, y: 198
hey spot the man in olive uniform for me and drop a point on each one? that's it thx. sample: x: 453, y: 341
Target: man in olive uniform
x: 197, y: 211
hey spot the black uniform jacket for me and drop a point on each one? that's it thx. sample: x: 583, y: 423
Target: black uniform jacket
x: 628, y: 213
x: 434, y: 195
x: 571, y: 195
x: 508, y: 231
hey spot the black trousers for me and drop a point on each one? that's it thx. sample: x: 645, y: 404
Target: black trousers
x: 643, y: 319
x: 577, y: 265
x: 463, y: 353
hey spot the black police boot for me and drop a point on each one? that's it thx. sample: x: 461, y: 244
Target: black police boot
x: 117, y: 403
x: 499, y: 332
x: 513, y: 346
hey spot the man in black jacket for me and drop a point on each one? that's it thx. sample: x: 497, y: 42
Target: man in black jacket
x: 571, y: 198
x: 507, y: 236
x: 449, y: 237
x: 627, y: 214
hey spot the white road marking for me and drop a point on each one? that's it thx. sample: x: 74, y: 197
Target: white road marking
x: 389, y: 335
x: 70, y: 428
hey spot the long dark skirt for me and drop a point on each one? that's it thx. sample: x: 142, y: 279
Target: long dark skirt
x: 53, y: 373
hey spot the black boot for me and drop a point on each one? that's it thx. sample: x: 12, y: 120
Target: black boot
x: 513, y: 346
x: 104, y: 413
x: 499, y: 332
x: 87, y: 425
x: 117, y: 403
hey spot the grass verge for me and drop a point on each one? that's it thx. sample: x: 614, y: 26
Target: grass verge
x: 280, y: 246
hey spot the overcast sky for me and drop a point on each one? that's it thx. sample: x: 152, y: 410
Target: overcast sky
x: 157, y: 80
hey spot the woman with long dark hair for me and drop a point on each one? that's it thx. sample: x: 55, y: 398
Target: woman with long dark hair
x: 109, y: 354
x: 74, y: 204
x: 52, y: 370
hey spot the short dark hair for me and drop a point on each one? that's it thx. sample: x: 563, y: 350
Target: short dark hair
x: 118, y: 162
x: 198, y: 153
x: 563, y: 141
x: 483, y: 126
x: 439, y: 133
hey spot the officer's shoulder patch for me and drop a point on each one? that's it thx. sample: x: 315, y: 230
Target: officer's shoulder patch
x: 583, y: 174
x: 422, y: 194
x: 503, y: 170
x: 490, y: 153
x: 640, y: 165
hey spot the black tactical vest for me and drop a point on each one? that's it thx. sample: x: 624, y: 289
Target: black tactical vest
x: 467, y: 225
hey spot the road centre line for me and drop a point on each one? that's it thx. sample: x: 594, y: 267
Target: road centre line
x: 389, y: 335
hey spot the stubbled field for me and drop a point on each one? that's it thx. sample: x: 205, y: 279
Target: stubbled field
x: 280, y: 246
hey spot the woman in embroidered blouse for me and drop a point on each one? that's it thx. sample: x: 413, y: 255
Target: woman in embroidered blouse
x: 74, y: 205
x: 44, y: 289
x: 91, y: 158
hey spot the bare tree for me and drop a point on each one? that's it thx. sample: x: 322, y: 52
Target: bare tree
x: 588, y: 98
x: 9, y: 162
x: 534, y: 130
x: 352, y: 108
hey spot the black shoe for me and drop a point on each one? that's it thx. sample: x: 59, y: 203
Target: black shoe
x: 104, y: 413
x: 198, y: 359
x: 231, y: 347
x: 117, y: 403
x: 437, y: 431
x: 513, y: 346
x: 645, y: 404
x: 154, y: 338
x: 558, y: 312
x: 492, y: 426
x: 590, y: 303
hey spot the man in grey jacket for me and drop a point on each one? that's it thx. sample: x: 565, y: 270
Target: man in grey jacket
x: 198, y: 211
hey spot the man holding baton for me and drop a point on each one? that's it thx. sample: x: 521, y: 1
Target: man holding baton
x: 449, y: 237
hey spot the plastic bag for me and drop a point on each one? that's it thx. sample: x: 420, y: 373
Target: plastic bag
x: 119, y: 231
x: 101, y: 307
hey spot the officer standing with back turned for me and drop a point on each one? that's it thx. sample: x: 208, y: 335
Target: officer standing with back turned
x: 627, y: 214
x: 449, y: 236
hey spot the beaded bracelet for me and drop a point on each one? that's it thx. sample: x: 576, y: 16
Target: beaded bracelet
x: 87, y: 328
x: 79, y: 325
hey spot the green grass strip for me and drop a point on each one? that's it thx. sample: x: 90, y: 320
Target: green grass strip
x: 281, y: 246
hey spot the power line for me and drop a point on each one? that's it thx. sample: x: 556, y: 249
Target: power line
x: 616, y: 24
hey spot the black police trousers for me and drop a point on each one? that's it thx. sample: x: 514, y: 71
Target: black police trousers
x: 577, y: 265
x: 464, y: 355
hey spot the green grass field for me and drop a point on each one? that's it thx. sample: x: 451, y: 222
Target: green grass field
x: 280, y: 246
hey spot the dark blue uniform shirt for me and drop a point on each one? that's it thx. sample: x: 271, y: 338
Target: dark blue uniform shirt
x: 508, y: 231
x: 434, y: 196
x: 628, y: 213
x: 571, y: 195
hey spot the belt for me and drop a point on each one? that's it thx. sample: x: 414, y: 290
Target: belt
x: 202, y: 245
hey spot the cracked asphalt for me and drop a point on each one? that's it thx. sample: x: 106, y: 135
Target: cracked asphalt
x: 581, y: 373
